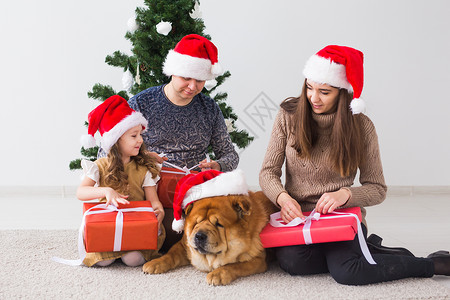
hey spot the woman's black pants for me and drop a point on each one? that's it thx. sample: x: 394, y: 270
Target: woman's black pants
x: 347, y: 265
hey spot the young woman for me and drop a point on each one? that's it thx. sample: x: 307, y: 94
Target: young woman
x: 323, y: 138
x: 128, y: 173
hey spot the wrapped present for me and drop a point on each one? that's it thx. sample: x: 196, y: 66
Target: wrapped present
x: 340, y: 225
x: 167, y: 183
x: 320, y: 229
x: 128, y: 227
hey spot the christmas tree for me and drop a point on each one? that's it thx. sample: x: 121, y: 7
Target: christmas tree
x: 154, y: 31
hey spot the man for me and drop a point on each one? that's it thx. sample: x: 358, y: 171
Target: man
x: 183, y: 122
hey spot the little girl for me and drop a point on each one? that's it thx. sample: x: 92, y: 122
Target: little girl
x: 128, y: 173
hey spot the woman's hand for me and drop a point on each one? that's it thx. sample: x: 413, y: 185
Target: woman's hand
x: 330, y: 201
x: 290, y: 209
x: 114, y: 198
x: 204, y: 165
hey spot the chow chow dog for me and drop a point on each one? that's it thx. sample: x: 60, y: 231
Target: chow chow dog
x: 221, y: 237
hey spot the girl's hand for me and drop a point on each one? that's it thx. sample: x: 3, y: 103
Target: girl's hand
x: 330, y: 201
x: 290, y: 209
x: 159, y: 211
x: 114, y: 198
x: 152, y: 196
x: 204, y: 165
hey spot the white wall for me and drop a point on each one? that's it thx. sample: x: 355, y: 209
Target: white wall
x: 53, y: 52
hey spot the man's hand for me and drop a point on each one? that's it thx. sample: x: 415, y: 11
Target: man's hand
x: 160, y: 159
x: 212, y: 164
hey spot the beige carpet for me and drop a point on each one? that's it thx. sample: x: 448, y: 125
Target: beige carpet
x: 27, y: 272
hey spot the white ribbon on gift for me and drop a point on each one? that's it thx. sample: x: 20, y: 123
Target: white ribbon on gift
x: 117, y: 234
x: 184, y: 169
x: 275, y: 217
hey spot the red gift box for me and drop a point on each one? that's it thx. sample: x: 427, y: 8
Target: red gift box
x: 140, y: 228
x: 329, y: 228
x: 167, y: 183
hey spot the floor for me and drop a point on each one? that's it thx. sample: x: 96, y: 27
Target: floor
x: 411, y: 218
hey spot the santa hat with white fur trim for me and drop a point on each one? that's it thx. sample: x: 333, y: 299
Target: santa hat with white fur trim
x: 193, y: 57
x: 112, y: 119
x: 205, y: 184
x: 340, y: 67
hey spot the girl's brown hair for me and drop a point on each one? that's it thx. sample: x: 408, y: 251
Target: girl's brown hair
x: 116, y: 177
x: 346, y: 138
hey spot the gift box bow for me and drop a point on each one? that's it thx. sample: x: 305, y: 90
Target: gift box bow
x: 275, y: 221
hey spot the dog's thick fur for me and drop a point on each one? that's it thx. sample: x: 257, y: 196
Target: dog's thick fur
x: 221, y: 236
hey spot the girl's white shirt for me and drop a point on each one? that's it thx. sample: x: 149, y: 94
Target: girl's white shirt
x: 90, y: 169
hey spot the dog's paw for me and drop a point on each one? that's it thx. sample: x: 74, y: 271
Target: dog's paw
x: 156, y: 266
x: 219, y: 277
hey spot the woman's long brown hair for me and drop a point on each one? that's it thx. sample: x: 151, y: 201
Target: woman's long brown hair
x: 116, y: 177
x: 346, y: 138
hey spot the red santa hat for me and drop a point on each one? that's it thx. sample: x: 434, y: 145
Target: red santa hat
x: 112, y: 119
x: 205, y: 184
x: 341, y: 67
x: 193, y: 57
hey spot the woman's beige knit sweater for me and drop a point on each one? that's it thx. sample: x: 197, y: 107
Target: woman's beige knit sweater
x: 308, y: 179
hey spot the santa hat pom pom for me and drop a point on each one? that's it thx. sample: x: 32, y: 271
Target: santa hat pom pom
x: 358, y: 106
x: 88, y: 141
x: 209, y: 84
x: 178, y: 225
x: 216, y: 69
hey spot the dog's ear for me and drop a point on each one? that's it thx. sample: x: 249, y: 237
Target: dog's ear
x: 188, y: 209
x: 242, y: 206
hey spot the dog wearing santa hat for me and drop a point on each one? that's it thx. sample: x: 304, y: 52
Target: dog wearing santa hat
x: 221, y: 222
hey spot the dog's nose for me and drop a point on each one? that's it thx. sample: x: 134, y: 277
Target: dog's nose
x: 200, y: 238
